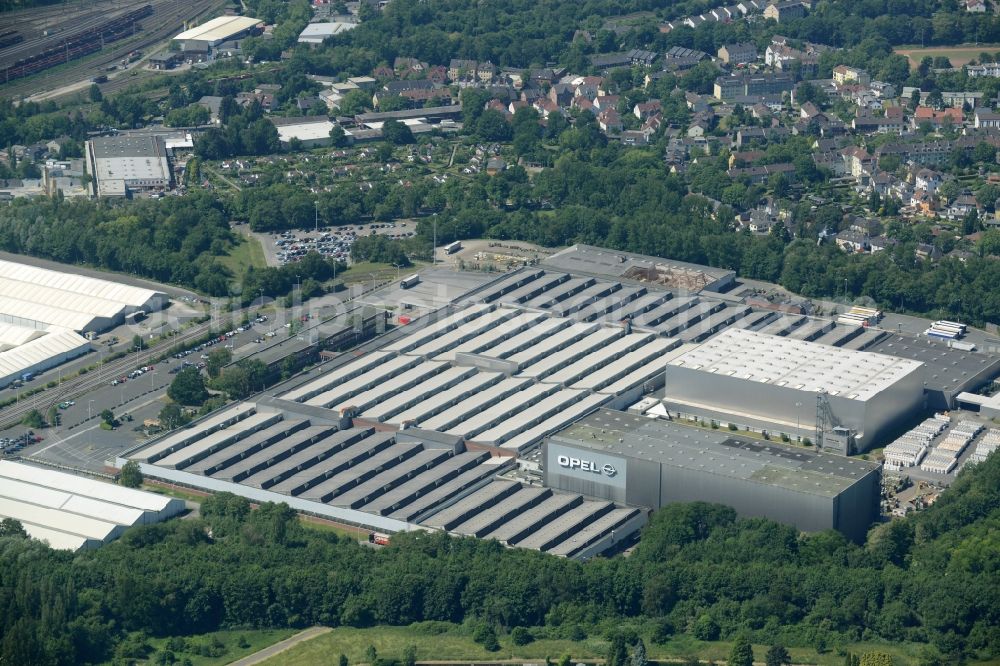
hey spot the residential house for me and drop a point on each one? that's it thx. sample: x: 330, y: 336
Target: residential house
x: 730, y: 87
x: 963, y: 205
x: 213, y: 103
x: 700, y: 126
x: 408, y: 67
x: 644, y: 110
x: 859, y: 162
x: 679, y: 58
x: 486, y: 71
x: 641, y: 58
x: 462, y: 70
x: 985, y: 69
x: 589, y: 86
x: 843, y: 74
x: 562, y: 94
x: 928, y: 252
x: 975, y: 6
x: 936, y: 119
x: 865, y: 123
x: 545, y: 106
x: 986, y: 118
x: 759, y: 175
x: 605, y: 102
x: 634, y: 138
x: 851, y: 240
x: 927, y: 180
x: 785, y: 11
x: 923, y: 202
x: 738, y: 54
x: 609, y: 121
x: 746, y: 135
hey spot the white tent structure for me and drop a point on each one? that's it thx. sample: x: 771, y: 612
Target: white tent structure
x: 72, y: 512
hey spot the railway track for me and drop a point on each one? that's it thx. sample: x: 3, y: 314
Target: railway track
x: 74, y: 388
x: 168, y: 18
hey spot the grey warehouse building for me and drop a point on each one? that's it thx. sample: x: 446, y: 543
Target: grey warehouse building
x: 642, y: 461
x: 772, y: 383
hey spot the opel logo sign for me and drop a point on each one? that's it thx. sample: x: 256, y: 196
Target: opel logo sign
x: 586, y: 465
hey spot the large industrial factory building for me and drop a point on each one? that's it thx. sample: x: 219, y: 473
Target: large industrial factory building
x: 767, y: 382
x: 641, y: 461
x: 437, y: 423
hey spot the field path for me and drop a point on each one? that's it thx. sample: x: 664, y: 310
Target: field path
x: 281, y: 646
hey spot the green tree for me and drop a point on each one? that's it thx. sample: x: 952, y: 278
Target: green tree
x: 172, y: 416
x: 617, y: 651
x: 741, y: 653
x: 108, y: 417
x: 131, y: 475
x: 138, y: 342
x: 33, y: 419
x: 486, y: 636
x: 338, y: 137
x: 371, y: 654
x: 777, y: 655
x: 410, y: 655
x: 95, y: 93
x: 188, y: 387
x: 396, y: 133
x: 217, y: 359
x: 705, y: 628
x: 342, y: 661
x: 520, y: 636
x: 12, y: 528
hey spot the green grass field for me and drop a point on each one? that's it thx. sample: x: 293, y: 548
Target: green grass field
x: 959, y: 54
x: 455, y: 643
x: 253, y: 639
x: 247, y: 253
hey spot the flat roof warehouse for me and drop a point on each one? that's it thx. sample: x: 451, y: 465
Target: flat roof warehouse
x: 219, y: 30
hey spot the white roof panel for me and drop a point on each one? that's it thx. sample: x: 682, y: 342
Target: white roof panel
x: 219, y: 29
x: 556, y: 360
x: 414, y: 376
x: 79, y: 284
x: 534, y: 434
x: 352, y: 387
x: 440, y: 401
x: 494, y: 335
x: 78, y: 485
x: 477, y: 398
x: 40, y: 350
x: 503, y: 410
x: 340, y: 374
x: 783, y: 361
x: 56, y: 539
x: 58, y: 520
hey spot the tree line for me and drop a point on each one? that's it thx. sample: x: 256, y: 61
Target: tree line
x: 698, y: 570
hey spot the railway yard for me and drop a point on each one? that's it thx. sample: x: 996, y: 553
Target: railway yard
x: 49, y: 48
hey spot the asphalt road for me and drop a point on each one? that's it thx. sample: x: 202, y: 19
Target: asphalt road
x: 281, y: 646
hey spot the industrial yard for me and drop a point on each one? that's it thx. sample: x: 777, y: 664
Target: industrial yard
x: 545, y: 407
x: 84, y: 41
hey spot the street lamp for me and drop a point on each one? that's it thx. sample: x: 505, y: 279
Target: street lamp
x: 798, y: 430
x: 316, y: 206
x: 90, y: 409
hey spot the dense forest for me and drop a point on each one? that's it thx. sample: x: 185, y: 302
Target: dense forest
x: 698, y: 569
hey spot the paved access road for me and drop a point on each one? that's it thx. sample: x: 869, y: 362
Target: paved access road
x: 281, y: 646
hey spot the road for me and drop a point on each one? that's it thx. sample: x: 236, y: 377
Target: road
x: 281, y: 646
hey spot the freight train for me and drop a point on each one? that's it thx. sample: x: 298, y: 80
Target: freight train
x: 76, y: 46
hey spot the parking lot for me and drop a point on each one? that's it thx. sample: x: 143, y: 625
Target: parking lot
x: 331, y: 242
